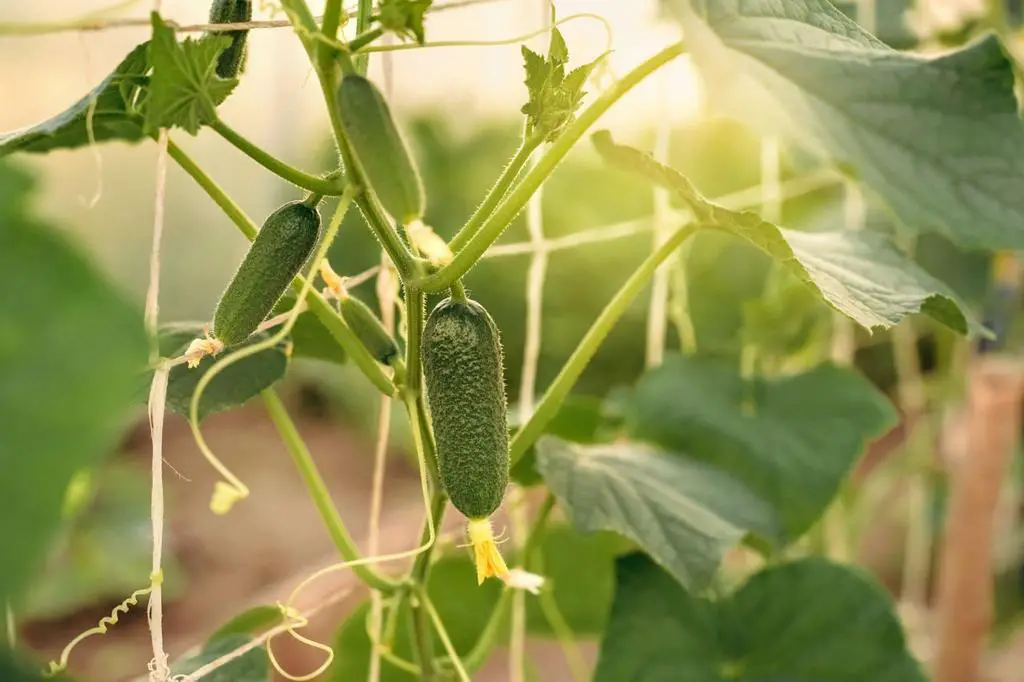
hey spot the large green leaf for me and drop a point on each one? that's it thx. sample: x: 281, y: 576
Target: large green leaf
x: 185, y: 90
x: 233, y: 386
x: 939, y: 139
x: 579, y: 419
x: 805, y: 621
x: 683, y: 512
x: 860, y: 273
x: 252, y: 666
x: 109, y: 110
x: 791, y: 440
x: 70, y: 351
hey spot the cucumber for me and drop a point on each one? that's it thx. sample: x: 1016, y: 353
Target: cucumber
x: 282, y: 245
x: 379, y: 149
x: 231, y: 61
x: 368, y: 329
x: 462, y: 366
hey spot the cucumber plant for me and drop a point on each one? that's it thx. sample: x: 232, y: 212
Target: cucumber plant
x: 644, y: 495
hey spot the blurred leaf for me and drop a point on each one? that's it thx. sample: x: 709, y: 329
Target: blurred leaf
x: 113, y: 117
x: 103, y: 552
x: 938, y: 138
x: 252, y: 666
x: 70, y: 351
x: 804, y: 620
x: 860, y: 273
x: 786, y: 319
x: 232, y: 387
x: 250, y: 622
x: 404, y: 17
x: 579, y: 419
x: 310, y: 338
x: 184, y: 90
x: 791, y: 440
x: 685, y: 513
x: 16, y: 668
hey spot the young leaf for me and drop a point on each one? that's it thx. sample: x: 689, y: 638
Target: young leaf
x: 71, y: 348
x: 791, y: 440
x: 554, y: 96
x: 805, y: 620
x: 685, y: 513
x: 108, y: 112
x: 184, y: 90
x: 252, y: 666
x: 404, y: 17
x: 233, y: 386
x: 938, y: 138
x: 861, y: 274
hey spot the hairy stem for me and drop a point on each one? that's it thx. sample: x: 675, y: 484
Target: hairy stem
x: 318, y: 492
x: 495, y: 194
x: 319, y: 185
x: 507, y: 211
x: 327, y: 315
x: 571, y: 371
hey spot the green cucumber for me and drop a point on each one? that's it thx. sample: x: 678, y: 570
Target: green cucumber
x: 368, y: 329
x: 379, y: 149
x: 462, y: 366
x: 282, y: 246
x: 231, y: 61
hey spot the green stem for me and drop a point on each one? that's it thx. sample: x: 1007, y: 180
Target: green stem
x: 361, y: 40
x: 332, y: 18
x: 422, y: 641
x: 327, y: 315
x: 495, y: 194
x: 324, y: 186
x: 458, y: 291
x: 563, y: 383
x: 318, y: 491
x: 489, y: 635
x: 492, y: 228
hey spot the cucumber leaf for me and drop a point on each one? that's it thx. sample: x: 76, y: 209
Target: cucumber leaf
x: 859, y: 273
x: 252, y: 666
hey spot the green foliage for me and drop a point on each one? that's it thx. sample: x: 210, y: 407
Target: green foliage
x: 803, y: 620
x: 554, y: 94
x: 233, y: 387
x: 185, y: 90
x: 937, y: 138
x: 71, y: 348
x: 791, y: 440
x: 683, y: 512
x: 250, y: 622
x: 108, y: 112
x: 309, y: 337
x: 464, y: 375
x: 861, y: 274
x: 252, y: 666
x: 579, y: 419
x: 281, y: 248
x: 404, y: 17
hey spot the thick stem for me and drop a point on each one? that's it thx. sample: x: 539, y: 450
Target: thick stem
x: 327, y: 315
x: 313, y: 183
x: 495, y: 194
x: 318, y: 492
x: 571, y: 371
x: 332, y: 17
x: 516, y: 200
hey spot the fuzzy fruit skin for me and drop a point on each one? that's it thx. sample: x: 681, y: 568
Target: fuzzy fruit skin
x: 380, y: 149
x: 462, y: 366
x: 368, y: 329
x: 282, y: 245
x: 232, y: 60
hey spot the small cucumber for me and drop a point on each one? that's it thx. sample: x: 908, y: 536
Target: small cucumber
x: 232, y: 60
x: 368, y: 329
x: 282, y: 245
x: 379, y: 149
x: 462, y: 366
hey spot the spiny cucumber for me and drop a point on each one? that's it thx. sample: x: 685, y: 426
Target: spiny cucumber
x: 281, y: 247
x: 462, y: 366
x: 231, y: 61
x: 379, y: 149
